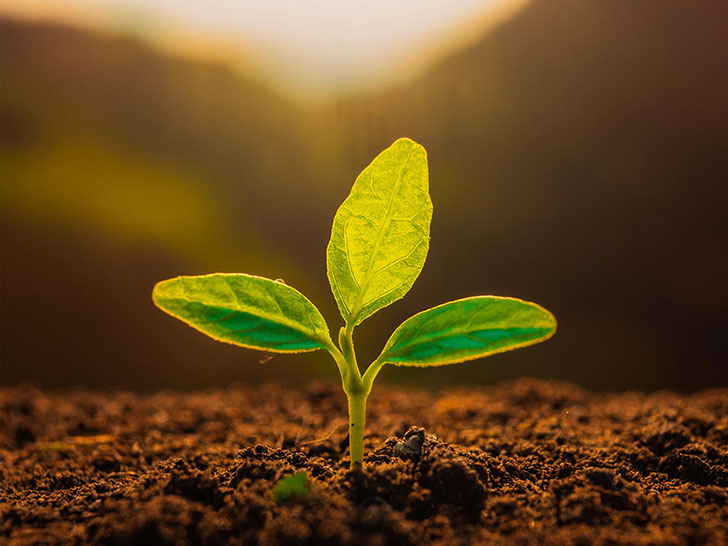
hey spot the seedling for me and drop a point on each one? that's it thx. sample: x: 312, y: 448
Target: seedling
x: 291, y: 488
x: 378, y: 245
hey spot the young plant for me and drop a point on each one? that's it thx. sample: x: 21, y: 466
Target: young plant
x: 291, y: 488
x: 378, y: 246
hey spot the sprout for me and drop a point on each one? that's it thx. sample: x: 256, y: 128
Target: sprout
x: 378, y: 246
x: 291, y: 488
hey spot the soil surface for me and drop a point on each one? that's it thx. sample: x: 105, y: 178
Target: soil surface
x: 528, y: 462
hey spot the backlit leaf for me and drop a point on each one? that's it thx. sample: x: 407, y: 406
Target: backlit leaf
x: 466, y: 329
x: 245, y: 310
x: 381, y: 232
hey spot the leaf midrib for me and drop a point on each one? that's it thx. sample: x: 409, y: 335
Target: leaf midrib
x: 263, y: 316
x: 440, y: 335
x: 356, y: 308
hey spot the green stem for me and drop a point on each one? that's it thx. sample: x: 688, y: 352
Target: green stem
x: 371, y: 373
x: 356, y: 396
x: 339, y: 359
x: 346, y: 342
x: 357, y: 419
x: 357, y: 389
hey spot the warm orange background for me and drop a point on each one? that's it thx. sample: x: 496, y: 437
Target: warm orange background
x: 578, y: 157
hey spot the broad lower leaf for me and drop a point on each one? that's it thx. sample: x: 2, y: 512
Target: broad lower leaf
x: 466, y: 329
x: 381, y: 232
x: 245, y: 310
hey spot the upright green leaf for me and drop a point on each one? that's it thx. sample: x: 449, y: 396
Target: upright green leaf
x: 381, y: 232
x: 245, y: 310
x: 466, y: 329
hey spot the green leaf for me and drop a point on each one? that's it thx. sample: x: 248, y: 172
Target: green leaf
x: 466, y: 329
x: 291, y: 488
x: 381, y: 232
x: 245, y: 310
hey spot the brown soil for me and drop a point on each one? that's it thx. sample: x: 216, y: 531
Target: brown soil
x: 524, y: 463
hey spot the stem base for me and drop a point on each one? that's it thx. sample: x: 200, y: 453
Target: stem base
x: 357, y: 420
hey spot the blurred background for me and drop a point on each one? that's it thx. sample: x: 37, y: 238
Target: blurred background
x: 578, y: 158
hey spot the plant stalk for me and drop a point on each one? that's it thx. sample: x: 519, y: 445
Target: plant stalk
x: 357, y: 419
x: 357, y: 389
x: 356, y: 396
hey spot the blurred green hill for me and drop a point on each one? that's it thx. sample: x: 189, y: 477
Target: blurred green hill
x: 577, y: 154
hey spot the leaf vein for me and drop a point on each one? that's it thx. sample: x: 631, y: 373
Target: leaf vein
x: 255, y: 313
x: 346, y: 251
x: 374, y: 192
x: 398, y: 260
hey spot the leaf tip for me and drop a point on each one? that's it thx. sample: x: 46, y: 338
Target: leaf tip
x: 550, y: 318
x: 410, y: 143
x: 156, y: 292
x: 161, y: 289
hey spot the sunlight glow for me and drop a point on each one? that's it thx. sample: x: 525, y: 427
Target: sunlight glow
x: 317, y: 47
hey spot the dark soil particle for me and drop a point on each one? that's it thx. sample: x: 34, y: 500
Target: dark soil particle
x: 525, y: 463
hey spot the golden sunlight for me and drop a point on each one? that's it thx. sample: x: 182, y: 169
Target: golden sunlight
x: 312, y: 49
